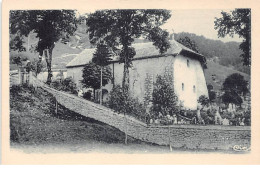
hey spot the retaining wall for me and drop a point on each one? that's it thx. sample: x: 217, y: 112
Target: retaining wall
x: 186, y: 136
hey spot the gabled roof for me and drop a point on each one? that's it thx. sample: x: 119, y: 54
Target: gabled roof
x: 143, y: 50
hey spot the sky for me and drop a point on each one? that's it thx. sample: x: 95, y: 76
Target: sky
x: 198, y: 21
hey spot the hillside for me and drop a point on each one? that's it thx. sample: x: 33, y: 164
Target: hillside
x: 226, y: 54
x: 216, y: 74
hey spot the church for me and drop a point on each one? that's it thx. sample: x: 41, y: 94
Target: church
x: 184, y: 65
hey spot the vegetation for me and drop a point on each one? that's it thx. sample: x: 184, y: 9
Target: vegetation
x: 164, y: 98
x: 49, y: 25
x: 121, y: 27
x: 237, y: 22
x: 66, y: 84
x: 234, y: 87
x: 212, y: 93
x: 186, y: 41
x: 204, y: 101
x: 91, y: 76
x: 122, y: 102
x: 226, y: 54
x: 101, y: 57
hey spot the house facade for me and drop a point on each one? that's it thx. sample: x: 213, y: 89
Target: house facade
x: 185, y: 66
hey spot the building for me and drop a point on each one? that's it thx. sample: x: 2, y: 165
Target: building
x: 184, y: 65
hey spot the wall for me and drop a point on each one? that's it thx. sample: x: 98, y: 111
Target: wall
x: 185, y: 136
x: 189, y: 76
x: 142, y: 73
x: 145, y: 71
x: 76, y: 74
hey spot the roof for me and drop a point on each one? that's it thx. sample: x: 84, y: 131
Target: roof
x: 143, y: 50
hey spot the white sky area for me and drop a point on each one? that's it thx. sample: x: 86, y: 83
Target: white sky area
x: 198, y: 21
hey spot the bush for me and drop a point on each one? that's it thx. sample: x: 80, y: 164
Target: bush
x: 247, y: 115
x: 207, y: 116
x: 87, y: 95
x: 121, y: 102
x: 65, y: 85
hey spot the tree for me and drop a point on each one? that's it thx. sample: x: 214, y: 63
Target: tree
x: 17, y: 60
x: 91, y: 76
x: 164, y: 98
x: 237, y: 22
x: 211, y: 92
x: 121, y: 27
x: 101, y: 57
x: 234, y: 87
x: 37, y: 66
x: 50, y: 26
x: 204, y: 101
x: 186, y: 41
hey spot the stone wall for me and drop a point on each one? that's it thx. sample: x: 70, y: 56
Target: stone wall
x: 185, y: 136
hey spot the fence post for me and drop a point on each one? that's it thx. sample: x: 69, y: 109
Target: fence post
x: 30, y: 78
x: 169, y: 135
x: 20, y: 75
x: 56, y: 110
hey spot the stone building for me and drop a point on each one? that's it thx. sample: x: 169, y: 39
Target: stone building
x: 184, y: 65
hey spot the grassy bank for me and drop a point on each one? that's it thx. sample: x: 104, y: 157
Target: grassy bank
x: 33, y: 121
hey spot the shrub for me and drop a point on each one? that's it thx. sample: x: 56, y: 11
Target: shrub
x: 247, y: 115
x: 65, y: 85
x: 87, y: 95
x: 121, y: 102
x: 204, y: 101
x: 207, y: 116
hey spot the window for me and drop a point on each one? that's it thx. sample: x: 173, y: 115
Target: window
x: 182, y: 85
x: 194, y: 89
x: 188, y: 63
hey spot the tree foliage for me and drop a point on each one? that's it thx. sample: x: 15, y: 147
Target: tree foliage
x: 102, y: 55
x: 50, y: 26
x: 211, y: 92
x: 186, y: 41
x: 237, y: 22
x: 91, y: 75
x: 234, y: 87
x: 204, y: 101
x: 164, y: 99
x: 121, y: 27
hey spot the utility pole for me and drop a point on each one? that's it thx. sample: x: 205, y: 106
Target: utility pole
x: 101, y: 86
